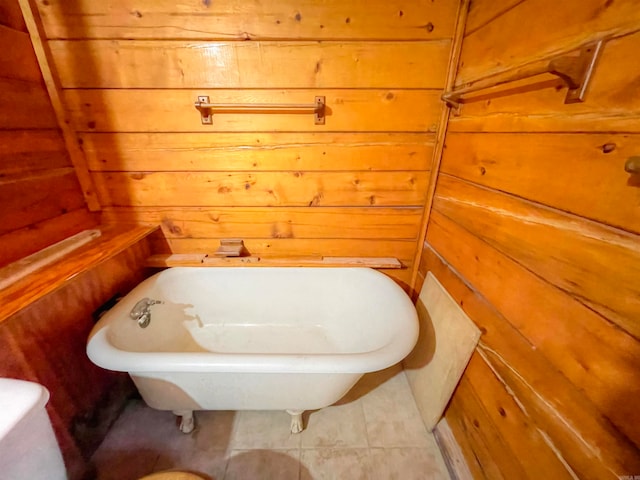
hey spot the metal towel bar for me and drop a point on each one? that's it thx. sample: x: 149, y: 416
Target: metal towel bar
x: 207, y: 109
x: 575, y: 70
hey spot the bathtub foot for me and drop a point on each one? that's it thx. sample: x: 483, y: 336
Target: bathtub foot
x: 296, y: 420
x: 187, y: 421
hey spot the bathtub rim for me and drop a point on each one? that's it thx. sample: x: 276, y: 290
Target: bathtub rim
x: 104, y: 354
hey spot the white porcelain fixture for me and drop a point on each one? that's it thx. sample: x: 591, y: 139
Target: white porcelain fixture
x: 254, y: 338
x: 28, y: 446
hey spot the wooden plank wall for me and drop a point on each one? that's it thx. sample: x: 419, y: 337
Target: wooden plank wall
x: 355, y: 186
x: 40, y: 199
x: 535, y: 232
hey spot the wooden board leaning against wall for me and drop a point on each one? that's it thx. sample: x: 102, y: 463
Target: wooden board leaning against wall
x: 41, y: 200
x: 354, y: 186
x: 534, y: 231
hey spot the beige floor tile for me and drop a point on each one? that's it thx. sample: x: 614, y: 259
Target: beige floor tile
x: 263, y: 430
x: 263, y: 465
x: 391, y: 415
x: 335, y: 464
x: 335, y: 426
x: 409, y: 463
x: 214, y: 429
x: 141, y: 427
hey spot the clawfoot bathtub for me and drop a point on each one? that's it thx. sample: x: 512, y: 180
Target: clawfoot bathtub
x: 294, y: 339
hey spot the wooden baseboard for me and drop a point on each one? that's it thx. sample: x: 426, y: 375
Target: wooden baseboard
x: 456, y: 464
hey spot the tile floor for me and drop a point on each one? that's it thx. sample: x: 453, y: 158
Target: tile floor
x: 375, y: 432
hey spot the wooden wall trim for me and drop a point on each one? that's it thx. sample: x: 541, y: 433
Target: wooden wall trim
x: 38, y: 39
x: 454, y: 58
x: 51, y: 278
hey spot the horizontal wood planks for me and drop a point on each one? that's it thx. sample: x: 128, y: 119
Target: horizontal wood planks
x: 277, y: 189
x: 41, y: 200
x: 28, y: 199
x: 131, y: 74
x: 578, y: 173
x: 248, y: 20
x: 534, y: 232
x: 275, y: 223
x: 175, y: 64
x: 583, y: 435
x: 537, y: 104
x: 174, y: 111
x: 567, y: 25
x: 259, y: 151
x: 598, y: 265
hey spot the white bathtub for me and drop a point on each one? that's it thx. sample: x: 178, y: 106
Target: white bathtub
x: 255, y: 338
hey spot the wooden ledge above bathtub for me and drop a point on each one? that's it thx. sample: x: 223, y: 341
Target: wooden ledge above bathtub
x: 203, y: 260
x: 47, y: 279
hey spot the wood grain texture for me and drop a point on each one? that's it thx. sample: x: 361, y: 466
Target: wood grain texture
x: 204, y: 261
x: 55, y: 276
x: 25, y: 266
x: 295, y: 247
x: 584, y: 437
x: 596, y: 265
x: 266, y: 222
x: 281, y: 189
x: 178, y: 64
x: 515, y: 427
x: 26, y: 151
x: 11, y: 16
x: 461, y: 427
x: 483, y: 12
x: 18, y: 102
x: 249, y: 20
x: 46, y: 343
x: 53, y: 91
x: 445, y: 112
x: 537, y: 104
x: 567, y: 25
x: 312, y: 151
x: 34, y: 198
x: 25, y: 241
x: 592, y: 353
x: 493, y: 457
x: 579, y: 173
x: 173, y: 110
x: 17, y: 59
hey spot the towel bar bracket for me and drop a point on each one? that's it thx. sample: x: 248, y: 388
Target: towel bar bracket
x: 575, y: 70
x: 205, y: 113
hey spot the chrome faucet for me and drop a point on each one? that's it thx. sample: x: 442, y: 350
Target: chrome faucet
x: 141, y: 312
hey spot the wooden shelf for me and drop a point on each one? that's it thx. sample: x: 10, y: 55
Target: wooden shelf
x: 203, y: 260
x: 45, y: 280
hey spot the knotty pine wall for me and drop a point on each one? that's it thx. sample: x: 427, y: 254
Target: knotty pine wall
x: 40, y: 199
x: 355, y: 186
x: 535, y: 232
